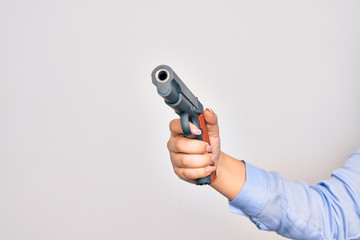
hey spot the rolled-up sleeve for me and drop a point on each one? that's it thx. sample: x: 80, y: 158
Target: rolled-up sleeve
x: 327, y: 210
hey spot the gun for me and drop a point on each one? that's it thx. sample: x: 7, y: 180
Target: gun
x: 186, y: 105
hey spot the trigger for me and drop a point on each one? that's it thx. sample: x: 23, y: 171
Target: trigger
x: 184, y: 117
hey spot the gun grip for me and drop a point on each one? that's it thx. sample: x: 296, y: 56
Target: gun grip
x: 205, y: 137
x: 201, y: 124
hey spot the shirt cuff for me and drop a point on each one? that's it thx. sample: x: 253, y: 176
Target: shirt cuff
x: 254, y: 193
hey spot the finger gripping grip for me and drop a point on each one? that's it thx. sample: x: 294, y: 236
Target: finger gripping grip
x: 205, y: 137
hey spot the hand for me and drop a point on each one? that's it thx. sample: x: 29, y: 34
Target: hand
x: 191, y: 158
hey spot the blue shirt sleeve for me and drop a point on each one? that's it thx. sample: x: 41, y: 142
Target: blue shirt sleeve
x: 327, y: 210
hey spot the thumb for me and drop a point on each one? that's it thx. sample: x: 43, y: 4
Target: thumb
x: 211, y: 122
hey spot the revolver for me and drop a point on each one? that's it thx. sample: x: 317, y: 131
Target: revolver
x: 186, y: 105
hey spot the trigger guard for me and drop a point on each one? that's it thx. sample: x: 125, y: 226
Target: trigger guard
x: 184, y: 117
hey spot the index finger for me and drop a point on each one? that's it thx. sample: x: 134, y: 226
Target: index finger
x: 175, y: 128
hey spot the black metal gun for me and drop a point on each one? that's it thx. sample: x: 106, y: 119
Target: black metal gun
x: 186, y: 105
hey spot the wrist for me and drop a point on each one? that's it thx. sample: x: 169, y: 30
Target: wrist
x: 230, y: 176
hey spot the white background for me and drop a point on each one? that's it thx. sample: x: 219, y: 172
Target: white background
x: 83, y: 132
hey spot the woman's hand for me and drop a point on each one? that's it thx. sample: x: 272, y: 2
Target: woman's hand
x: 191, y: 158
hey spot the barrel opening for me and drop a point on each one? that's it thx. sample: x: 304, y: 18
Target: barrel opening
x: 162, y: 75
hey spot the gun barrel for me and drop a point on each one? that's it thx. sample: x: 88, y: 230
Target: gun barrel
x: 170, y: 87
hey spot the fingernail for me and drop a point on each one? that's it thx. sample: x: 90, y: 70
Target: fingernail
x: 210, y: 169
x: 213, y: 157
x: 209, y: 148
x: 212, y: 111
x: 195, y: 130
